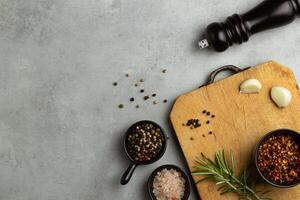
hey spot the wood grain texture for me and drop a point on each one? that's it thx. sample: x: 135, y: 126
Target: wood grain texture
x: 240, y: 121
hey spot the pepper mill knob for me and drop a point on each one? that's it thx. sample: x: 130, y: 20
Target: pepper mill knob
x: 237, y: 29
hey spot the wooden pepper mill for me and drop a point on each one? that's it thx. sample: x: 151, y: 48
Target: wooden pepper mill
x: 238, y: 28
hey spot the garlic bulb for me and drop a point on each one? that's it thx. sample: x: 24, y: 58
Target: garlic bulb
x: 281, y: 96
x: 250, y: 86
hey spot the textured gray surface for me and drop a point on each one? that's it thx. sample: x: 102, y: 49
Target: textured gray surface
x: 60, y: 128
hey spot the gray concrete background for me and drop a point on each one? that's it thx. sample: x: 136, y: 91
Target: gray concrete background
x: 60, y: 128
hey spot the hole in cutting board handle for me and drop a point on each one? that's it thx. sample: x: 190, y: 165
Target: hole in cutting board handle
x: 230, y: 68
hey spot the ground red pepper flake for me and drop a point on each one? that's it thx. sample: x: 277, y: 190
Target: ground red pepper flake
x: 279, y: 159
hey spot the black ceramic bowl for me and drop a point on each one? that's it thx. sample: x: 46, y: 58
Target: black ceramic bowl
x: 296, y: 137
x: 187, y: 190
x: 133, y: 164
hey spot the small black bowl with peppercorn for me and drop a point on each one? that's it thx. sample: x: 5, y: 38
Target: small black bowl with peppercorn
x: 145, y: 142
x: 277, y: 158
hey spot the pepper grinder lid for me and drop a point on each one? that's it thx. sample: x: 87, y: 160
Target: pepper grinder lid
x: 296, y: 4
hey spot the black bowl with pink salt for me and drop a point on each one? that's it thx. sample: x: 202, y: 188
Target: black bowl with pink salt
x: 277, y: 158
x: 169, y: 182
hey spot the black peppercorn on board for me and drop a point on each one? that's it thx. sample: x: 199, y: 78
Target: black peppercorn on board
x: 218, y: 116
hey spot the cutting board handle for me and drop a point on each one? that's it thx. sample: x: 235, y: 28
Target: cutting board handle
x: 231, y: 68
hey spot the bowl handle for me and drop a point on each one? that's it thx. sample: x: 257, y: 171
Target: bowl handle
x: 128, y: 173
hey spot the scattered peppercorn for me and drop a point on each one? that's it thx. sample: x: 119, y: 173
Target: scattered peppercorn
x: 278, y: 159
x: 137, y: 106
x: 203, y: 135
x: 138, y: 85
x: 192, y: 138
x: 145, y: 141
x: 208, y: 113
x: 204, y: 111
x: 193, y: 123
x: 207, y: 122
x: 213, y: 116
x: 210, y: 132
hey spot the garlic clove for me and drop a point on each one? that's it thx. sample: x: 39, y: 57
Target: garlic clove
x: 250, y: 86
x: 281, y: 96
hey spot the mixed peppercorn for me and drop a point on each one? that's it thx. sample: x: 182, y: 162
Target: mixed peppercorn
x: 279, y: 159
x: 145, y: 141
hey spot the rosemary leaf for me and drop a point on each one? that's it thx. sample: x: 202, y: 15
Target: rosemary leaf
x: 223, y: 174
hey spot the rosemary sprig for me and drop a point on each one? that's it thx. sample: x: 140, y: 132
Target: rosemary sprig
x: 223, y: 174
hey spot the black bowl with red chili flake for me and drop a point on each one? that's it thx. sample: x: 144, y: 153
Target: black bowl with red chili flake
x: 277, y: 158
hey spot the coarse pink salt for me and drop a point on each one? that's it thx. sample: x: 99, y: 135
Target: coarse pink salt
x: 168, y: 184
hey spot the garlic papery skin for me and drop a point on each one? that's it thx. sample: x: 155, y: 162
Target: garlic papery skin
x: 281, y: 96
x: 250, y: 86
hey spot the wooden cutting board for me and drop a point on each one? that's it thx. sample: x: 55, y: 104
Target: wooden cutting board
x: 240, y: 121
